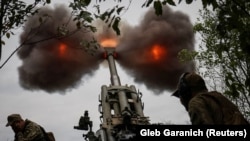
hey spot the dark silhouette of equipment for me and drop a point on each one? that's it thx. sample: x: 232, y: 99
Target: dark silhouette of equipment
x: 120, y: 107
x: 84, y: 122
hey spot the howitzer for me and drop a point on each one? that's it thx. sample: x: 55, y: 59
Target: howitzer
x: 120, y: 107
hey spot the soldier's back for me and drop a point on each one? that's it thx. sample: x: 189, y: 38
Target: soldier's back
x: 217, y: 109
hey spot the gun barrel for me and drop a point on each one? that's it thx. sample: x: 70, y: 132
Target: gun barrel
x: 115, y: 80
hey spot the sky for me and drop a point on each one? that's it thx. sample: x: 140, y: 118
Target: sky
x: 60, y: 112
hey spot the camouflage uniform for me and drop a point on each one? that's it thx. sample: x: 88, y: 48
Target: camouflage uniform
x: 214, y: 108
x: 31, y: 132
x: 25, y: 130
x: 206, y: 107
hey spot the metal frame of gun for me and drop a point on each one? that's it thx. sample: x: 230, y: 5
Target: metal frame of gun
x: 120, y: 107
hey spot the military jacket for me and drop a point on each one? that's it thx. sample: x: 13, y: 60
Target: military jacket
x: 214, y: 108
x: 31, y: 132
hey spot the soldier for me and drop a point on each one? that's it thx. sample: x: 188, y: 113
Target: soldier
x: 206, y: 107
x: 25, y: 130
x: 85, y: 122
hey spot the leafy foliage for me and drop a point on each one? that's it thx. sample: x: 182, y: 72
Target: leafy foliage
x: 81, y: 15
x: 14, y: 14
x: 223, y: 58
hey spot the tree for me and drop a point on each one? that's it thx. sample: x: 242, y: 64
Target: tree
x: 223, y: 58
x: 14, y: 14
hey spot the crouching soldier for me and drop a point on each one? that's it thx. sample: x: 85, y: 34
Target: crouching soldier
x: 25, y: 130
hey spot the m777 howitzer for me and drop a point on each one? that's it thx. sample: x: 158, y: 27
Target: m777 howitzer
x: 120, y: 107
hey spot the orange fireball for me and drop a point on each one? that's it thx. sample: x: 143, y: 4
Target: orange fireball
x: 158, y: 52
x: 108, y: 42
x: 62, y: 50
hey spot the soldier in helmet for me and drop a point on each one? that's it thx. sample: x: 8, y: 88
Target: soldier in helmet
x: 206, y: 107
x: 25, y: 130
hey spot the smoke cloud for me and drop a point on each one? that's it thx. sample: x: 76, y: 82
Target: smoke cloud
x: 148, y: 52
x: 55, y: 64
x: 170, y: 33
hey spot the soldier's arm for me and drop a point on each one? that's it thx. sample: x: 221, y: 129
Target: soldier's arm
x: 199, y: 112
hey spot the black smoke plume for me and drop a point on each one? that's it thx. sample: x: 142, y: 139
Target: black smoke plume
x: 51, y: 63
x: 44, y: 69
x: 173, y: 32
